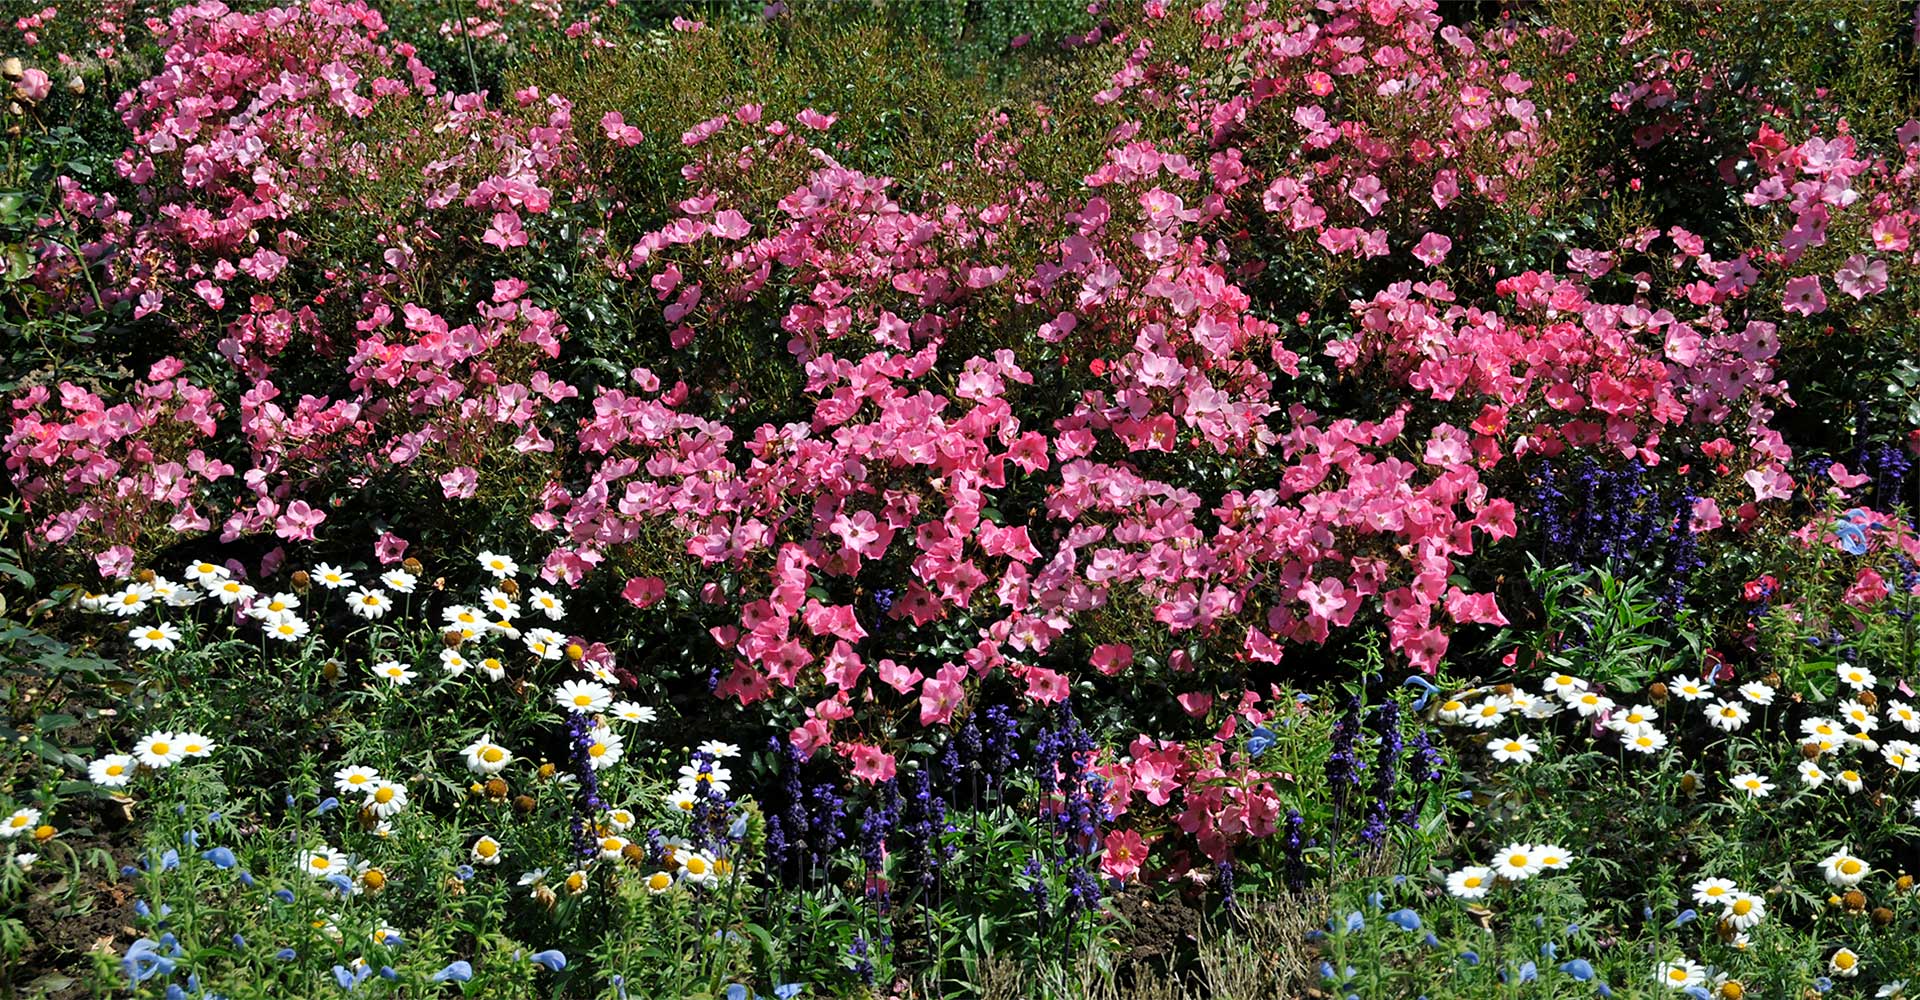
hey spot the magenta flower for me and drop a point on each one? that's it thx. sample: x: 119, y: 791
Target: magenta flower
x: 1805, y: 297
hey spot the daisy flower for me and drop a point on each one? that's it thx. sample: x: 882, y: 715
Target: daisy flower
x: 1903, y: 713
x: 1452, y: 711
x: 1564, y: 686
x: 696, y: 866
x: 605, y: 749
x: 692, y: 777
x: 546, y: 643
x: 1680, y: 973
x: 1844, y: 964
x: 112, y: 771
x: 1515, y: 862
x: 1542, y: 708
x: 611, y: 846
x: 628, y: 711
x: 582, y: 696
x: 621, y: 820
x: 232, y: 592
x: 1689, y: 689
x: 177, y: 595
x: 1631, y: 720
x: 207, y: 574
x: 1744, y: 910
x: 158, y: 750
x: 399, y: 581
x: 500, y: 566
x: 486, y: 851
x: 659, y: 882
x: 1489, y: 712
x: 1903, y: 755
x: 1516, y: 750
x: 1647, y: 740
x: 194, y: 745
x: 499, y: 602
x: 1819, y: 728
x: 395, y: 672
x: 453, y: 661
x: 355, y: 780
x: 1753, y: 784
x: 159, y: 638
x: 1857, y: 678
x: 1811, y: 775
x: 1714, y: 891
x: 1850, y: 780
x: 1728, y: 715
x: 386, y: 798
x: 333, y: 577
x: 465, y: 620
x: 493, y: 668
x: 129, y: 602
x: 1590, y: 704
x: 266, y: 608
x: 1757, y: 693
x: 684, y: 800
x: 289, y: 629
x: 22, y: 821
x: 369, y: 604
x: 324, y: 862
x: 487, y: 757
x: 1843, y: 870
x: 1550, y: 856
x: 1858, y: 715
x: 1471, y: 882
x: 547, y: 604
x: 722, y: 751
x: 505, y: 627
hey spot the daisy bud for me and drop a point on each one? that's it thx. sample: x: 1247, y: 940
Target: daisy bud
x: 545, y: 895
x: 476, y: 789
x: 1854, y: 900
x: 302, y: 582
x: 412, y: 565
x: 374, y: 879
x: 1505, y: 690
x: 634, y: 853
x: 524, y: 803
x: 1732, y: 990
x: 1810, y: 751
x: 1882, y: 916
x: 575, y: 652
x: 511, y: 587
x: 1867, y: 698
x: 330, y: 670
x: 1772, y: 680
x: 546, y: 770
x: 146, y: 576
x: 577, y: 882
x: 1657, y: 693
x: 43, y: 832
x: 1904, y: 883
x: 496, y: 788
x: 1689, y: 783
x: 452, y: 639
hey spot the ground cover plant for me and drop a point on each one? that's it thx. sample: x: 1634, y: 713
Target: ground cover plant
x: 710, y: 499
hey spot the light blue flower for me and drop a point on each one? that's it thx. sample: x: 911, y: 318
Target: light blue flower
x: 457, y: 971
x: 1579, y: 968
x: 1260, y: 741
x: 553, y: 960
x: 1405, y: 919
x: 221, y: 857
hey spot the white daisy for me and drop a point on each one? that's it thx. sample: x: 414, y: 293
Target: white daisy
x: 604, y: 748
x: 1744, y: 911
x: 231, y: 592
x: 1564, y: 686
x: 492, y: 668
x: 1902, y: 754
x: 158, y: 750
x: 207, y: 574
x: 611, y: 846
x: 1858, y: 715
x: 288, y: 629
x: 1550, y: 856
x: 112, y: 771
x: 160, y: 638
x: 1843, y: 870
x: 399, y: 581
x: 129, y: 602
x: 1728, y: 715
x: 1680, y: 974
x: 1844, y: 963
x: 1489, y: 712
x: 1753, y: 784
x: 630, y: 712
x: 22, y: 821
x: 1757, y: 693
x: 1689, y: 689
x: 1850, y: 780
x: 1647, y: 740
x: 1811, y: 775
x: 394, y: 672
x: 500, y: 566
x: 266, y: 608
x: 369, y: 604
x: 486, y: 851
x: 1857, y: 678
x: 721, y: 750
x: 1714, y: 891
x: 1515, y: 862
x: 582, y: 696
x: 454, y: 662
x: 355, y: 780
x: 1903, y: 713
x: 332, y: 577
x: 487, y: 757
x: 621, y: 820
x: 1591, y: 703
x: 546, y: 643
x: 1471, y: 882
x: 386, y: 798
x: 547, y: 604
x: 194, y: 745
x: 324, y: 862
x: 1514, y: 749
